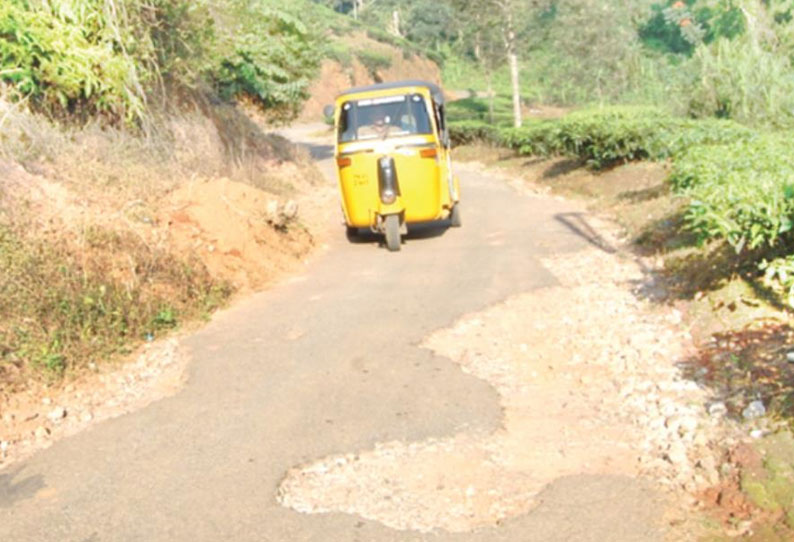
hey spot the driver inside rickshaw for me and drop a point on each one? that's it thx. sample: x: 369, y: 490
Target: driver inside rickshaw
x: 378, y: 128
x: 383, y: 118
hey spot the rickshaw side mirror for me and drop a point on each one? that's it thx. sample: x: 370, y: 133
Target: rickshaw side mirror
x: 328, y: 111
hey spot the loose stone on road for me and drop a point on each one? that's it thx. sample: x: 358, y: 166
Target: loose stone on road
x: 587, y: 383
x: 499, y: 382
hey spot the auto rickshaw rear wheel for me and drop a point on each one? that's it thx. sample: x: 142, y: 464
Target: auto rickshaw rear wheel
x: 392, y: 230
x: 454, y: 216
x: 351, y: 233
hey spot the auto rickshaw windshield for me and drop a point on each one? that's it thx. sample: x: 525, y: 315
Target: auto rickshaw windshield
x: 381, y: 118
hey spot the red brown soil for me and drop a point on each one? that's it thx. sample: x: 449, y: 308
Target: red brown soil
x: 230, y: 226
x: 725, y: 501
x: 335, y: 78
x: 226, y: 225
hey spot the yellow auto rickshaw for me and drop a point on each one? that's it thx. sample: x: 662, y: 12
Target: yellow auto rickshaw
x: 393, y: 158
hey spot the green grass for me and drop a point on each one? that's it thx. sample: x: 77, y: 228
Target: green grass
x: 771, y: 488
x: 374, y: 61
x: 61, y: 308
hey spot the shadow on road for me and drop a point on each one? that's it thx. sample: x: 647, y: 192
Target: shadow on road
x: 577, y: 223
x: 416, y: 232
x: 12, y: 491
x: 320, y: 152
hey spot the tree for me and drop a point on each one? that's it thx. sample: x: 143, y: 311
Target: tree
x: 504, y: 20
x: 479, y: 37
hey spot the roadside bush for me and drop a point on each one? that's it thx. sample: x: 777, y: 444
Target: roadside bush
x: 269, y: 56
x: 340, y: 53
x: 604, y: 136
x: 75, y: 59
x: 374, y: 62
x: 744, y: 82
x: 60, y: 311
x: 468, y: 132
x: 67, y: 60
x: 408, y: 47
x: 742, y: 192
x: 476, y: 108
x: 779, y: 276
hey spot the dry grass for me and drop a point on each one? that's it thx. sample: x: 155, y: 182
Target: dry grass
x: 67, y: 302
x: 86, y: 271
x: 202, y: 141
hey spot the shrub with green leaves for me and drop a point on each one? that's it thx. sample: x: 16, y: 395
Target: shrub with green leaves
x: 374, y: 61
x: 270, y: 57
x: 742, y: 192
x: 78, y: 58
x: 779, y: 276
x: 70, y: 58
x: 498, y: 111
x: 468, y: 132
x: 604, y: 136
x: 743, y: 81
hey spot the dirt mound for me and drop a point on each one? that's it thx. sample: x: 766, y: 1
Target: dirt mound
x: 242, y: 234
x: 335, y: 77
x: 222, y: 231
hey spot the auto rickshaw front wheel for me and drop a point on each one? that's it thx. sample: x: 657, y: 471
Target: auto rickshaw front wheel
x: 454, y: 216
x: 392, y: 230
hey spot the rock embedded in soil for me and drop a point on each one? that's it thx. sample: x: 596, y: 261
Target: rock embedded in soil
x: 718, y: 409
x: 57, y: 414
x: 754, y: 410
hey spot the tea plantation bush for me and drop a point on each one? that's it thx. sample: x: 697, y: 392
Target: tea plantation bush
x: 604, y: 136
x: 467, y: 132
x: 739, y: 183
x: 742, y: 192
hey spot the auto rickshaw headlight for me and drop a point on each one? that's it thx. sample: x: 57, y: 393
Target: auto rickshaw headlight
x: 388, y: 197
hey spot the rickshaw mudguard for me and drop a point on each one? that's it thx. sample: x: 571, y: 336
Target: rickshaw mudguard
x: 378, y: 216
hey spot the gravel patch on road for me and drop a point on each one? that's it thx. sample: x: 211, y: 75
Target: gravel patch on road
x: 36, y: 419
x: 588, y: 381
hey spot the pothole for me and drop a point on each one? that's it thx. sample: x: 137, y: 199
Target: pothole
x: 587, y: 381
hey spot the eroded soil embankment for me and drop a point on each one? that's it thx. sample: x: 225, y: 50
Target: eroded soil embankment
x: 587, y: 376
x: 240, y: 237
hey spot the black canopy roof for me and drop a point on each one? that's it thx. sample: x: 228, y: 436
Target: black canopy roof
x: 434, y: 89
